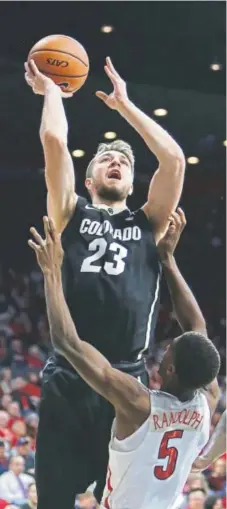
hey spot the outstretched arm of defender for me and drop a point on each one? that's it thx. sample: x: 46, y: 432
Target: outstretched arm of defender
x: 185, y: 305
x: 215, y: 447
x: 59, y: 170
x: 167, y: 183
x: 122, y: 390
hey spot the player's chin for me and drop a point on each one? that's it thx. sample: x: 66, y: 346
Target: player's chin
x: 113, y: 191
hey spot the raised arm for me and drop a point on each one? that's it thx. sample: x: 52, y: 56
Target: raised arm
x: 59, y: 170
x: 185, y: 305
x: 122, y: 390
x: 167, y: 183
x: 215, y: 447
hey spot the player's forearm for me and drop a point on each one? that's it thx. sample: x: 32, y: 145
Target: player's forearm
x: 217, y: 444
x: 54, y: 120
x: 157, y: 139
x: 185, y: 306
x: 88, y: 361
x: 62, y: 329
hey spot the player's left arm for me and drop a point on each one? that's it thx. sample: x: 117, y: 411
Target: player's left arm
x: 167, y: 182
x: 122, y: 390
x: 186, y: 308
x: 215, y: 447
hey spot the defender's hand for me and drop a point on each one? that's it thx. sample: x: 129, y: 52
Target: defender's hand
x: 49, y: 252
x: 119, y: 94
x: 168, y: 243
x: 38, y: 81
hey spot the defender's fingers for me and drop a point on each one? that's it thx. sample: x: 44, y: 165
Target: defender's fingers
x: 52, y: 229
x: 40, y: 241
x: 46, y: 228
x: 182, y: 216
x: 177, y: 219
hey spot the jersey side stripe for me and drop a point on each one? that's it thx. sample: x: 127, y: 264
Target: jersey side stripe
x: 149, y: 322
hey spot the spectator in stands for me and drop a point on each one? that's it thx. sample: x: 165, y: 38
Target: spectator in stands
x: 17, y: 356
x: 5, y: 433
x: 217, y: 477
x: 4, y: 462
x: 14, y: 483
x: 196, y: 499
x: 5, y: 401
x: 32, y: 421
x: 214, y: 503
x: 6, y: 379
x: 23, y: 448
x: 197, y: 481
x: 32, y: 498
x: 5, y: 505
x: 14, y: 413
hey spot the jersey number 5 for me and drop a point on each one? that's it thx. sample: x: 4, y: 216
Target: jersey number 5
x: 100, y: 246
x: 167, y: 452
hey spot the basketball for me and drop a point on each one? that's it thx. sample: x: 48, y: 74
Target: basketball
x: 63, y: 59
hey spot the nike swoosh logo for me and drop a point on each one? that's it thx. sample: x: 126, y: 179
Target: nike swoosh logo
x: 129, y: 218
x: 89, y: 207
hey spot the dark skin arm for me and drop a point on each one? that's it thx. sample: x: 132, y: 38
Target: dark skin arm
x: 130, y: 398
x: 185, y: 305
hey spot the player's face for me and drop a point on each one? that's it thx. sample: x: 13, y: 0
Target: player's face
x: 112, y: 177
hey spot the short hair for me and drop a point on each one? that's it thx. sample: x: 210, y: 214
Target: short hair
x: 196, y: 360
x: 119, y: 146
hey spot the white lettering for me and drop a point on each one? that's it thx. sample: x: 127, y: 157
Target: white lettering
x: 94, y: 226
x: 84, y: 225
x: 136, y: 233
x: 100, y: 229
x: 127, y: 233
x: 117, y: 234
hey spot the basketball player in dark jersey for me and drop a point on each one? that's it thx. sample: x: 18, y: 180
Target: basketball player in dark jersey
x: 111, y: 276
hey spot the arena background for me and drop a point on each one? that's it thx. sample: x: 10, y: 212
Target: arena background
x: 172, y: 55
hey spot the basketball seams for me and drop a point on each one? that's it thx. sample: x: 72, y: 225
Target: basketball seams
x: 62, y: 75
x: 58, y: 51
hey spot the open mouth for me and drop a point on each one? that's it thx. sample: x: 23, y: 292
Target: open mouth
x: 114, y: 174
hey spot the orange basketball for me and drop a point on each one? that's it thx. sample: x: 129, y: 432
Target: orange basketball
x: 62, y: 59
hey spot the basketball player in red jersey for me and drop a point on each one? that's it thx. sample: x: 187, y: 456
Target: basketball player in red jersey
x: 111, y: 278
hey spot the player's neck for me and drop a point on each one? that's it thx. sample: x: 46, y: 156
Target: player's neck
x: 116, y: 205
x: 183, y: 394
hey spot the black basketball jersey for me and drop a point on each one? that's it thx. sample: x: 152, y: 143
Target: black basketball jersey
x: 111, y: 279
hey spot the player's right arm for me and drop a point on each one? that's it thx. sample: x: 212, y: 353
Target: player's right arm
x: 59, y: 170
x: 215, y: 447
x: 185, y: 305
x: 125, y: 393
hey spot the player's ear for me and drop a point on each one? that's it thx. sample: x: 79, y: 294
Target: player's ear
x: 88, y: 183
x: 171, y: 370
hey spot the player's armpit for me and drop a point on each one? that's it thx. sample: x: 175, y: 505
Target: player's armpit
x: 127, y: 394
x: 60, y: 180
x: 164, y: 194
